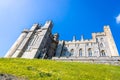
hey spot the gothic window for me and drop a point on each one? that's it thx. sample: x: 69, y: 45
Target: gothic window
x: 87, y: 44
x: 101, y: 39
x: 80, y: 52
x: 103, y: 53
x: 29, y: 45
x: 33, y: 40
x: 36, y: 39
x: 101, y: 44
x: 89, y: 52
x: 96, y: 39
x: 72, y: 51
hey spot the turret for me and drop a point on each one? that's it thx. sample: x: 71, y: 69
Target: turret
x: 74, y: 38
x: 110, y: 40
x: 82, y: 38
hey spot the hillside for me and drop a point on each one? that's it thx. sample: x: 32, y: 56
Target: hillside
x: 35, y: 69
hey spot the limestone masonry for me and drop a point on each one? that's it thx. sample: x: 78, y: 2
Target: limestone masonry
x: 39, y: 42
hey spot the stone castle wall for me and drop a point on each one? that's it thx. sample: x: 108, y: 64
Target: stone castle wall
x: 101, y: 44
x: 39, y: 42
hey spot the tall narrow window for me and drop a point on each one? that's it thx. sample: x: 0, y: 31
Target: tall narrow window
x: 101, y: 39
x: 96, y: 39
x: 103, y: 53
x: 101, y: 44
x: 89, y: 52
x: 29, y: 44
x: 80, y: 52
x: 72, y: 51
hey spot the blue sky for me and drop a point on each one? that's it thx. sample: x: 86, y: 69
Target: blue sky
x: 70, y: 17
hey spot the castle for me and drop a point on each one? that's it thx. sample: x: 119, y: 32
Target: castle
x: 39, y: 42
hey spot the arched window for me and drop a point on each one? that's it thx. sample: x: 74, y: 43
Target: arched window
x: 102, y: 53
x: 89, y: 52
x: 87, y: 44
x: 96, y: 39
x: 80, y: 52
x: 101, y: 44
x: 101, y: 39
x: 72, y: 51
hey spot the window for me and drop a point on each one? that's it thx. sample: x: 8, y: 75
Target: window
x: 102, y: 53
x: 101, y: 39
x: 89, y: 52
x: 72, y: 51
x: 87, y: 44
x: 101, y: 44
x: 29, y: 45
x: 80, y: 52
x: 96, y: 39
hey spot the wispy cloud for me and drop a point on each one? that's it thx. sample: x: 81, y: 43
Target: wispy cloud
x: 118, y: 19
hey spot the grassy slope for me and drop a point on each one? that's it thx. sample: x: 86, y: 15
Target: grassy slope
x: 52, y: 70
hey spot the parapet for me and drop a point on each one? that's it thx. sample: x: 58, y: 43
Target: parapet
x: 25, y: 31
x: 100, y: 34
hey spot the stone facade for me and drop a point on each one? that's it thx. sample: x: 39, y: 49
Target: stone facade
x: 101, y: 44
x: 39, y: 42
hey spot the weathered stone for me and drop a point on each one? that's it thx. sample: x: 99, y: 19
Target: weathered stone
x: 39, y: 42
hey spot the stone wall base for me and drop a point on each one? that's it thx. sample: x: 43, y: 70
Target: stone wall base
x: 99, y: 60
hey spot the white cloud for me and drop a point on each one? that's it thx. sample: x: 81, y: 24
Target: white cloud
x: 118, y: 19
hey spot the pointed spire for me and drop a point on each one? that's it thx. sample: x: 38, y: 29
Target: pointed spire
x: 74, y: 38
x: 82, y: 38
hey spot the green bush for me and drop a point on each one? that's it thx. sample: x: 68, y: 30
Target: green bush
x: 44, y: 74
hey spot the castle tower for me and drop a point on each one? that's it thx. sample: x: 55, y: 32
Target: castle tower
x: 21, y: 49
x: 111, y: 43
x: 33, y: 43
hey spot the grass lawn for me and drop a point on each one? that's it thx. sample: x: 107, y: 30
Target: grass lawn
x: 36, y: 69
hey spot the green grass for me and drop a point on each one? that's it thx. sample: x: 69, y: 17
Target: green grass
x: 36, y: 69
